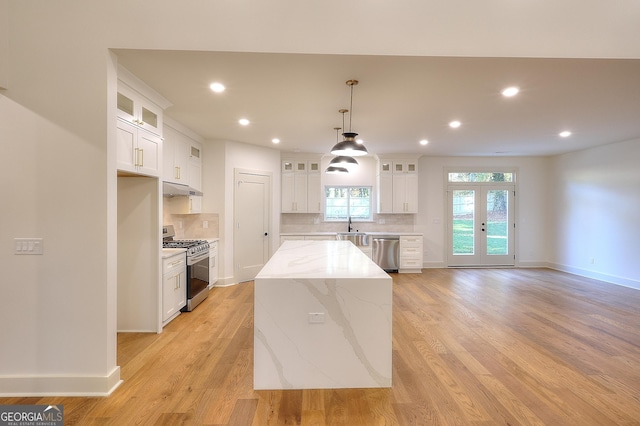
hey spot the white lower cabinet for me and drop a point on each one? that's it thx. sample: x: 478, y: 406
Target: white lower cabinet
x: 174, y: 286
x: 213, y: 263
x: 410, y: 254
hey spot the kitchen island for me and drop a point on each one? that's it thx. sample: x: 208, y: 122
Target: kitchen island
x: 322, y: 319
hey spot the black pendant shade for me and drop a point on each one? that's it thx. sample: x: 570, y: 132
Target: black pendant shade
x: 344, y: 161
x: 336, y: 170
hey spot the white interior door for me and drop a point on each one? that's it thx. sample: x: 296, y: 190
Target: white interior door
x: 251, y: 224
x: 481, y: 225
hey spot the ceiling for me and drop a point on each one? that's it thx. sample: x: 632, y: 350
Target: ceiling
x: 399, y: 100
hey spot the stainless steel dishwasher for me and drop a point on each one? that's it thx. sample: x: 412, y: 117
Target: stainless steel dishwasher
x: 386, y: 252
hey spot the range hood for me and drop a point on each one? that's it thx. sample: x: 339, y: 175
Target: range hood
x: 176, y: 190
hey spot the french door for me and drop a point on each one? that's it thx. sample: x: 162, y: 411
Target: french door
x: 481, y: 225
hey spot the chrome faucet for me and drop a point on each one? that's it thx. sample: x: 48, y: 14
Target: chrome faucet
x: 349, y: 227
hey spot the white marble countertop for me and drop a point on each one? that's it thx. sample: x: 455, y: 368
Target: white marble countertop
x: 360, y: 232
x: 168, y: 252
x: 320, y: 259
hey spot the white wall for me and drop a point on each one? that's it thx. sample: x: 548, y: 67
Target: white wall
x: 220, y: 160
x: 531, y: 205
x: 58, y: 312
x: 4, y: 43
x: 595, y: 200
x: 58, y: 175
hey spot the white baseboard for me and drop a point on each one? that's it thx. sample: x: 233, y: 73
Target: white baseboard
x: 527, y: 264
x: 225, y: 282
x: 612, y: 279
x: 433, y: 265
x: 14, y: 386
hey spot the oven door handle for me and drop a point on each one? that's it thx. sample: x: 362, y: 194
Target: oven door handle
x: 197, y: 258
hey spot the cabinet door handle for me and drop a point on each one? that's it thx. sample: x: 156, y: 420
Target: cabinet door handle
x: 135, y: 157
x: 176, y: 172
x: 141, y: 157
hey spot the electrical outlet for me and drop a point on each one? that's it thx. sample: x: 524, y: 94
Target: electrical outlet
x: 205, y: 224
x: 316, y: 318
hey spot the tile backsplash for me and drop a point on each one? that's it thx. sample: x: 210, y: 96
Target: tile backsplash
x: 297, y: 222
x: 192, y: 226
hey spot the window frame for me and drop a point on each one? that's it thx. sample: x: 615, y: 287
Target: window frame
x: 349, y: 206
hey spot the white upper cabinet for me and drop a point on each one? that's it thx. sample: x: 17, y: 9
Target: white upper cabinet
x: 138, y: 151
x: 182, y: 155
x: 139, y: 126
x: 405, y: 166
x: 176, y: 157
x: 135, y: 108
x: 195, y: 165
x: 405, y: 193
x: 301, y: 191
x: 397, y: 186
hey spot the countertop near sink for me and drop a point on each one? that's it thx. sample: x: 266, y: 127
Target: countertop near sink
x: 373, y: 234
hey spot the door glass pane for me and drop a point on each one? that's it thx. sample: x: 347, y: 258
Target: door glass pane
x: 480, y: 177
x: 463, y: 221
x: 497, y: 222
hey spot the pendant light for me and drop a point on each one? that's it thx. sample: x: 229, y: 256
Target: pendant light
x: 343, y: 161
x: 339, y: 166
x: 349, y: 146
x: 335, y: 170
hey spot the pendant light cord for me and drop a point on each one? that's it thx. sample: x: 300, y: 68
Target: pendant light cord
x: 350, y: 108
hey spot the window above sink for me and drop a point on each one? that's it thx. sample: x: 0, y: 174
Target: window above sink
x: 344, y: 202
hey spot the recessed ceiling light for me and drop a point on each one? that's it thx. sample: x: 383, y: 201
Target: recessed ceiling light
x: 510, y: 91
x: 424, y: 142
x: 217, y: 87
x: 275, y: 140
x: 455, y: 124
x: 565, y: 134
x: 243, y: 122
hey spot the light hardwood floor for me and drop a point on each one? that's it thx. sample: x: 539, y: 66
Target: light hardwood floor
x: 470, y: 347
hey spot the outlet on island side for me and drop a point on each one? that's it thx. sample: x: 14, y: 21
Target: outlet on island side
x: 316, y: 317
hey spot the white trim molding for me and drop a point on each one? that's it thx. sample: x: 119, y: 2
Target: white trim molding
x: 14, y: 386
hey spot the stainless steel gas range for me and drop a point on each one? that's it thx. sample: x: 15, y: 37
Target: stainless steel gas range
x: 197, y: 252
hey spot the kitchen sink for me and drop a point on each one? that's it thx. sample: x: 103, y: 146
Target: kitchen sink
x: 360, y: 239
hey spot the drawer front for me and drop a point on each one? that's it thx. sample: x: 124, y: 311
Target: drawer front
x: 174, y: 263
x: 410, y: 251
x: 411, y: 241
x: 410, y: 263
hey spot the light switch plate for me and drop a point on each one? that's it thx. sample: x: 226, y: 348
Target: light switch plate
x: 28, y: 245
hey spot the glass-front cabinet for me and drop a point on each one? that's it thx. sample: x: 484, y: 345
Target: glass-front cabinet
x: 135, y: 108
